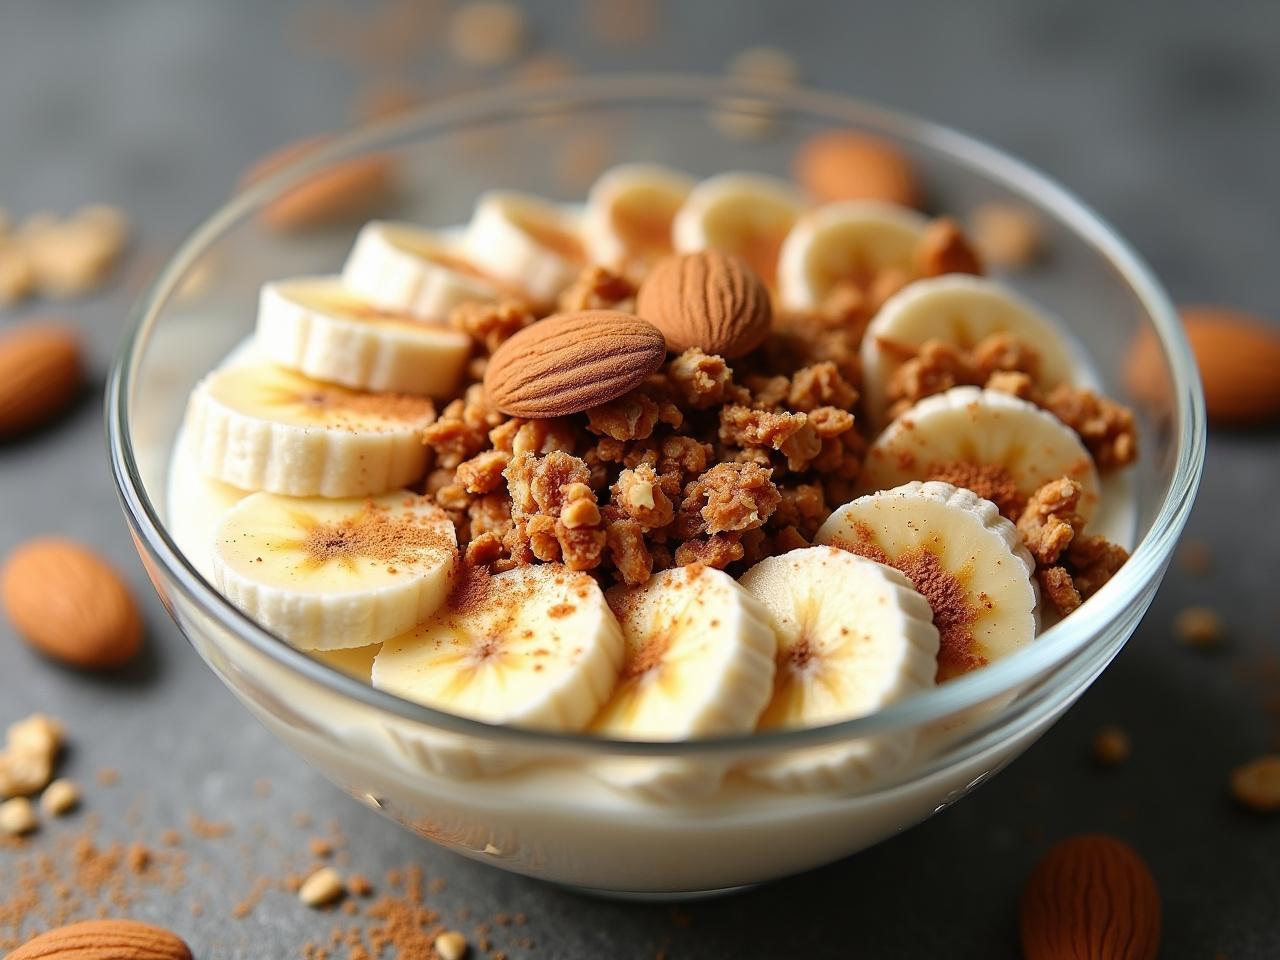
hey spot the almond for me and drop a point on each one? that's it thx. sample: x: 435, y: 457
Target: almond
x: 846, y: 165
x: 40, y: 374
x: 1091, y: 898
x: 100, y: 939
x: 345, y: 190
x: 70, y: 604
x: 572, y: 362
x: 710, y: 300
x: 1239, y: 359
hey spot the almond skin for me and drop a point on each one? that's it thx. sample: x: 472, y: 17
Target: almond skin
x: 846, y: 165
x: 710, y: 300
x: 103, y: 939
x: 343, y: 191
x: 69, y: 604
x: 1091, y: 898
x: 1239, y: 359
x: 40, y: 374
x: 572, y: 362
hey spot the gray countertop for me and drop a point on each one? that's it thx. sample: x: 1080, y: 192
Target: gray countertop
x: 1164, y: 117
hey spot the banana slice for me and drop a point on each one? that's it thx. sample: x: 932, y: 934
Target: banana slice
x: 629, y: 214
x: 853, y: 636
x: 536, y: 646
x: 741, y: 213
x: 967, y: 560
x: 406, y: 269
x: 961, y: 310
x: 333, y: 574
x: 195, y: 505
x: 1008, y: 440
x: 262, y: 427
x: 315, y: 326
x: 850, y: 240
x: 525, y: 241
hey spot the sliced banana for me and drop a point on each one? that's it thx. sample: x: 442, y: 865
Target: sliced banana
x: 961, y: 310
x: 629, y: 213
x: 851, y: 240
x: 262, y: 427
x: 967, y: 560
x: 315, y: 326
x: 406, y: 269
x: 536, y: 646
x: 967, y: 426
x: 332, y: 574
x: 525, y: 241
x: 195, y: 505
x: 853, y: 637
x: 741, y: 213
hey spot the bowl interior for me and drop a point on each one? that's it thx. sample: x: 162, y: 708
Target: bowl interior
x: 553, y: 141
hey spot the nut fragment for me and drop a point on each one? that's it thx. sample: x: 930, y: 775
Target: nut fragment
x: 487, y: 33
x: 17, y: 275
x: 1199, y: 627
x: 1006, y: 235
x: 22, y: 774
x: 17, y: 817
x: 1111, y: 746
x: 38, y: 733
x: 847, y: 165
x: 61, y: 796
x: 451, y: 945
x: 1257, y: 784
x: 321, y: 888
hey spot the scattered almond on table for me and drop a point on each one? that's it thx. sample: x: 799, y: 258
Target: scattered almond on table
x: 849, y: 165
x: 104, y: 940
x: 70, y: 604
x: 1091, y: 896
x: 41, y: 373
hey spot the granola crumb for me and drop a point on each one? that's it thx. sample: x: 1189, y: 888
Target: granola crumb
x: 1111, y: 746
x: 1199, y: 627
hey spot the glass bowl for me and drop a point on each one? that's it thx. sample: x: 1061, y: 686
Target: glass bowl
x: 539, y: 803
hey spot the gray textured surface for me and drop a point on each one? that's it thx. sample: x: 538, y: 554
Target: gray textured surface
x: 1163, y: 117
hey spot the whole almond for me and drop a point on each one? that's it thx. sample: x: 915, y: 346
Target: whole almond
x: 40, y: 374
x: 572, y: 362
x: 1239, y: 360
x: 846, y: 165
x: 104, y: 940
x: 347, y: 189
x: 68, y: 603
x: 1091, y: 898
x: 710, y: 300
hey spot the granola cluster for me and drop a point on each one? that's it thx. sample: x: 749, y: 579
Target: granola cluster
x: 1071, y: 565
x: 699, y: 464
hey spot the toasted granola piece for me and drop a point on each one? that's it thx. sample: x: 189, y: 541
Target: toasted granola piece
x: 1094, y: 560
x: 745, y: 427
x: 936, y: 367
x: 767, y: 392
x: 716, y: 551
x: 639, y: 494
x: 1057, y: 586
x: 491, y: 324
x: 462, y: 430
x: 686, y: 454
x: 631, y: 417
x: 629, y: 551
x: 830, y: 422
x: 801, y: 508
x: 1014, y: 383
x: 1003, y: 351
x: 537, y: 484
x: 581, y: 548
x: 541, y: 531
x: 732, y: 497
x: 789, y: 538
x: 943, y: 248
x: 820, y: 385
x: 597, y: 288
x: 489, y: 514
x: 578, y: 506
x: 699, y: 379
x: 1105, y: 427
x: 484, y: 550
x: 1049, y: 521
x: 483, y: 473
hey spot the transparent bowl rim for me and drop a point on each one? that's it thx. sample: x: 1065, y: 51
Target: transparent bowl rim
x: 1055, y: 646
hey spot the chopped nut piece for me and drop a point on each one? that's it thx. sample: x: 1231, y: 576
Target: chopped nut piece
x: 1006, y: 235
x: 321, y: 888
x: 1106, y: 428
x: 1257, y: 784
x: 491, y: 324
x: 702, y: 380
x: 38, y: 733
x: 17, y: 274
x: 22, y: 774
x: 61, y: 796
x: 451, y: 945
x: 17, y: 817
x: 1111, y: 746
x: 944, y: 249
x: 1199, y: 627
